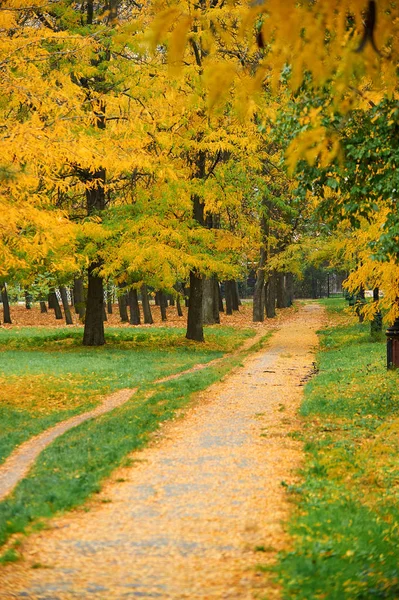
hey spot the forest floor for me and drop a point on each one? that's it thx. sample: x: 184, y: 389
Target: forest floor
x: 201, y: 506
x: 22, y: 317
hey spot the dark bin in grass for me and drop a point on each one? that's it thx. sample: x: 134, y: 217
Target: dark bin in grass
x: 392, y: 334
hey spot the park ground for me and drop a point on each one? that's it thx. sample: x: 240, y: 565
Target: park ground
x: 336, y: 535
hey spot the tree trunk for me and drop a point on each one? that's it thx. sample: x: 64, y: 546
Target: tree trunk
x: 79, y: 296
x: 134, y: 307
x: 94, y: 325
x: 360, y: 301
x: 95, y: 199
x: 105, y: 318
x: 289, y: 281
x: 280, y: 290
x: 123, y: 307
x: 28, y: 300
x: 229, y: 297
x: 195, y: 329
x: 65, y: 305
x: 146, y: 305
x: 171, y: 300
x: 210, y: 301
x: 207, y: 301
x: 53, y: 303
x: 6, y: 304
x: 178, y: 306
x: 156, y: 299
x: 163, y: 303
x: 259, y: 292
x: 220, y: 298
x: 270, y: 295
x: 109, y: 299
x: 180, y: 290
x: 376, y: 323
x: 234, y: 295
x: 215, y: 301
x: 43, y: 307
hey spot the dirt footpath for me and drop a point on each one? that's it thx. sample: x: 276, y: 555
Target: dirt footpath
x: 203, y: 504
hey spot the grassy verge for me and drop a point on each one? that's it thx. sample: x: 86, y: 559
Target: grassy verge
x: 346, y: 525
x: 46, y: 375
x: 72, y: 467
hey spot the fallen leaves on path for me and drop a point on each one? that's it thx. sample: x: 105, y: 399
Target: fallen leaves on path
x: 202, y: 506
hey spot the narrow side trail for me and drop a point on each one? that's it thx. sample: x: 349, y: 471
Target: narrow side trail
x: 190, y: 517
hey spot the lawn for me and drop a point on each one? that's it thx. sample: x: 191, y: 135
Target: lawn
x: 345, y: 526
x: 49, y: 376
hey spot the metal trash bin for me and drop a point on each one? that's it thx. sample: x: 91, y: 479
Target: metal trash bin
x: 392, y: 334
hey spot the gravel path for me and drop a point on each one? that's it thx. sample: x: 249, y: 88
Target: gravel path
x: 17, y: 465
x: 192, y: 514
x: 20, y: 461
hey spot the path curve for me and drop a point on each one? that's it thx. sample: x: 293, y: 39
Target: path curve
x: 200, y: 500
x: 18, y: 464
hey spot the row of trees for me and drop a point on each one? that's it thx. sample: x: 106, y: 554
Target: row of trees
x: 167, y: 145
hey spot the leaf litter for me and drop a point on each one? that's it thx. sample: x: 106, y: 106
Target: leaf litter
x: 205, y: 504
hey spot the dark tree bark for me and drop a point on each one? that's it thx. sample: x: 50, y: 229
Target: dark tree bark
x: 79, y: 295
x: 65, y: 305
x: 180, y: 290
x: 376, y: 323
x: 53, y: 303
x: 134, y: 307
x: 6, y: 304
x: 43, y: 307
x: 280, y: 285
x: 234, y: 295
x: 237, y: 295
x: 28, y: 300
x: 178, y: 306
x: 163, y: 303
x: 220, y: 297
x: 360, y: 301
x: 156, y: 299
x: 215, y: 303
x: 146, y: 305
x: 229, y: 297
x: 50, y: 300
x: 209, y: 301
x: 105, y: 318
x: 270, y: 296
x: 259, y: 292
x: 94, y: 325
x: 122, y: 303
x: 289, y: 287
x: 195, y: 330
x: 109, y: 299
x: 113, y: 10
x: 171, y: 300
x: 90, y: 12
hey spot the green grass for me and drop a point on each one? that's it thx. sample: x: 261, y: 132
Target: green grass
x: 73, y: 466
x: 346, y: 524
x: 47, y: 376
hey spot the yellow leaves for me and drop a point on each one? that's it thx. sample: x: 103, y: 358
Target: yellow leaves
x: 218, y: 80
x: 313, y: 144
x: 177, y: 43
x: 162, y: 24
